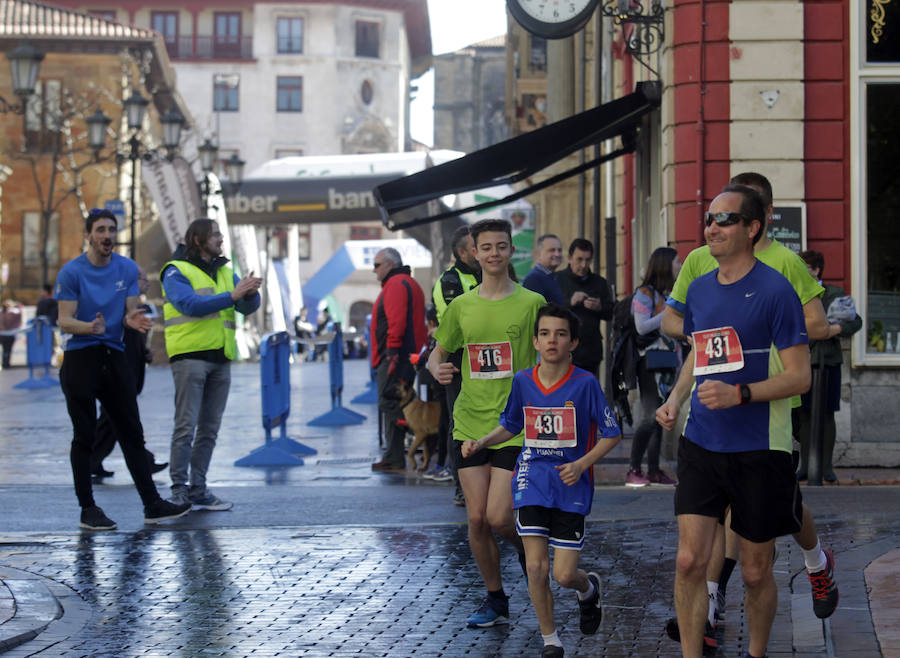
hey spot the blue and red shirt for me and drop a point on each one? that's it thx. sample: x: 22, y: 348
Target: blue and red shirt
x: 561, y: 424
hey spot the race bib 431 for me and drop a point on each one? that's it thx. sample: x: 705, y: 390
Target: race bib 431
x: 550, y: 427
x: 717, y: 350
x: 490, y: 360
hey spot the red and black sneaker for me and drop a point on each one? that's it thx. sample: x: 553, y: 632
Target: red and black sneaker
x: 824, y: 590
x: 709, y: 634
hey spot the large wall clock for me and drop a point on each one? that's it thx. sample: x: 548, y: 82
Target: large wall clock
x: 552, y: 19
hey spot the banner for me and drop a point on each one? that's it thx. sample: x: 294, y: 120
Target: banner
x: 189, y: 189
x: 162, y: 182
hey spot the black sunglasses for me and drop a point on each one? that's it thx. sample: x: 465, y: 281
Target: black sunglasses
x: 723, y: 218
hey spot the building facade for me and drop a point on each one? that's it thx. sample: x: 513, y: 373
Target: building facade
x: 469, y: 96
x: 802, y: 92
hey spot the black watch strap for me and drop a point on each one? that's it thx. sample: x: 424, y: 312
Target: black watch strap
x: 746, y: 396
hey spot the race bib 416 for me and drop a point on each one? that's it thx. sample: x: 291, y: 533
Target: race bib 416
x: 490, y: 360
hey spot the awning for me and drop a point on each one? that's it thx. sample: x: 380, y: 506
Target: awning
x: 518, y: 158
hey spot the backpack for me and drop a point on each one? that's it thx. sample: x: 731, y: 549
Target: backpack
x: 626, y: 342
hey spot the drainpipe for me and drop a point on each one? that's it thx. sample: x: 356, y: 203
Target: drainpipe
x: 701, y: 124
x: 582, y: 99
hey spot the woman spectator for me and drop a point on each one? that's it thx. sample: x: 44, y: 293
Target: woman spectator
x: 657, y: 366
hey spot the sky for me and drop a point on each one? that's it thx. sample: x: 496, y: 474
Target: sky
x: 454, y: 24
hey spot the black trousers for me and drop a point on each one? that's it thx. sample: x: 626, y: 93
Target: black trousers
x: 99, y: 373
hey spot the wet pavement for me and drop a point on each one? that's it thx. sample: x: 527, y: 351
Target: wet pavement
x: 329, y: 559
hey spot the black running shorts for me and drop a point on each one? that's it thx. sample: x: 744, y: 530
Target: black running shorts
x: 562, y: 529
x: 504, y: 458
x: 760, y: 486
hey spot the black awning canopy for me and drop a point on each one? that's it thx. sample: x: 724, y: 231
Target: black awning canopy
x: 518, y: 158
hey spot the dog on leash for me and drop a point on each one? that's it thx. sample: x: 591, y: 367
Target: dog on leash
x: 422, y: 418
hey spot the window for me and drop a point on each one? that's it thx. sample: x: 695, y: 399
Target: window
x: 43, y: 117
x: 106, y: 14
x: 166, y: 23
x: 367, y: 92
x: 882, y: 114
x: 227, y: 40
x: 290, y: 94
x: 290, y: 35
x: 225, y: 92
x: 32, y: 239
x: 367, y: 40
x: 537, y: 59
x: 288, y: 153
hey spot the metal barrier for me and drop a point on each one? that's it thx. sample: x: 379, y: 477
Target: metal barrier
x: 370, y: 395
x: 338, y: 415
x: 39, y: 352
x: 274, y: 361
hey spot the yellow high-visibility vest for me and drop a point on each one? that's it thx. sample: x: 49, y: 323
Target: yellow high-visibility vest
x: 187, y: 333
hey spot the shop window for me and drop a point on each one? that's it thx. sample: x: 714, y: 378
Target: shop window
x: 43, y: 117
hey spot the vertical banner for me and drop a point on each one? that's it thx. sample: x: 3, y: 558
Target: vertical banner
x: 165, y: 189
x: 189, y: 191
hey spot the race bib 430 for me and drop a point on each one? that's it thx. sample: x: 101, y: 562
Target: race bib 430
x: 717, y: 350
x: 490, y: 360
x: 550, y: 427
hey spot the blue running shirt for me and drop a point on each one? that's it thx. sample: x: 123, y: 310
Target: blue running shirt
x: 98, y: 290
x: 764, y: 310
x: 570, y: 413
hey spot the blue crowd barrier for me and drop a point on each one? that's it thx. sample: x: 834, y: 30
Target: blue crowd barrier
x: 338, y: 415
x: 39, y: 352
x: 274, y: 361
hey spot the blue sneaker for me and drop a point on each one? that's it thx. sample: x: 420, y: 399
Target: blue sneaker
x: 443, y: 475
x: 430, y: 473
x: 488, y: 615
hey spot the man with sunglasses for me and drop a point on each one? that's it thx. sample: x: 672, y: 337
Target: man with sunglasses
x: 750, y: 356
x: 398, y: 330
x: 819, y: 562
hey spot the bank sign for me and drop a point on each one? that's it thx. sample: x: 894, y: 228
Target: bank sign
x: 304, y: 200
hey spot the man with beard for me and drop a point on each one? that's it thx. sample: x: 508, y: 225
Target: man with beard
x: 98, y: 297
x: 202, y: 294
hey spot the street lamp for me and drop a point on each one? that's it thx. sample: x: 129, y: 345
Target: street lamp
x: 24, y: 61
x: 135, y: 106
x: 234, y: 170
x: 97, y: 124
x: 208, y: 153
x: 172, y: 124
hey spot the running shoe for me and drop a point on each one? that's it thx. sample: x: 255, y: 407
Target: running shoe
x: 93, y: 518
x: 209, y: 502
x: 635, y: 478
x: 430, y: 473
x: 163, y: 510
x: 552, y: 651
x: 591, y: 611
x: 824, y: 589
x: 490, y: 613
x: 443, y: 475
x: 659, y: 478
x: 709, y: 633
x: 459, y: 498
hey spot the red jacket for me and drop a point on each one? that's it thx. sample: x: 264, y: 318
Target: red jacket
x: 398, y: 317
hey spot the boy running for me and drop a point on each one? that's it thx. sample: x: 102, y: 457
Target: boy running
x: 491, y: 323
x: 560, y: 408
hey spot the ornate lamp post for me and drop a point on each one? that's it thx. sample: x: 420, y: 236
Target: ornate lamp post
x: 24, y: 61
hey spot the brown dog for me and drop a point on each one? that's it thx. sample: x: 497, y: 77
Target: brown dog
x: 423, y: 419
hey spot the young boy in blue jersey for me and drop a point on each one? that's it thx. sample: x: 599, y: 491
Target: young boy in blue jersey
x: 561, y: 409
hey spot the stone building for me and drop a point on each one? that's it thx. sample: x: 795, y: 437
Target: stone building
x: 469, y: 96
x: 89, y: 63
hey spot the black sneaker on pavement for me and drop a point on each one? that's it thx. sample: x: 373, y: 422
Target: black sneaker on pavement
x: 93, y: 518
x: 709, y: 634
x: 591, y: 612
x: 824, y: 590
x: 163, y: 510
x: 553, y: 651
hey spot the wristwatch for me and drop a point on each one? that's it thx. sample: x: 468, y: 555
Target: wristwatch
x: 746, y: 396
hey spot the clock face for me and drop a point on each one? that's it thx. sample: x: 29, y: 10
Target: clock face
x: 552, y: 19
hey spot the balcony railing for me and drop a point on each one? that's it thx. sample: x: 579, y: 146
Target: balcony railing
x: 217, y: 47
